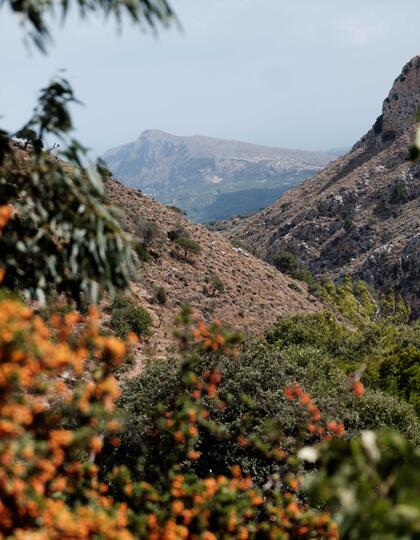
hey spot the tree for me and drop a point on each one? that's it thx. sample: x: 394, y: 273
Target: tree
x: 188, y: 246
x: 29, y: 136
x: 62, y: 236
x: 34, y: 15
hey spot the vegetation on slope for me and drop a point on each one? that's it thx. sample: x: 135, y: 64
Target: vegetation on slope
x: 72, y: 467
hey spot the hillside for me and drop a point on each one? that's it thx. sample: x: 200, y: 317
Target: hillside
x: 361, y: 214
x: 255, y: 294
x: 194, y: 172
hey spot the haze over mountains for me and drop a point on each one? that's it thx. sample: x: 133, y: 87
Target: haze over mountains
x: 361, y: 214
x: 209, y: 178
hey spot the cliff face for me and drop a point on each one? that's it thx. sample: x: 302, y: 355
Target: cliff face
x: 194, y: 172
x: 361, y: 214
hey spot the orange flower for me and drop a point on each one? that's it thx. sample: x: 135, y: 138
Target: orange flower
x: 358, y: 389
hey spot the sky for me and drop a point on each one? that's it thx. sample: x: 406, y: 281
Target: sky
x: 309, y: 74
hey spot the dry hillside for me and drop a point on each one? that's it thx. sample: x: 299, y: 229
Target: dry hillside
x: 361, y: 214
x: 255, y: 293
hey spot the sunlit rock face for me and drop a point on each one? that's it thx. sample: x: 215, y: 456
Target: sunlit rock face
x: 361, y: 214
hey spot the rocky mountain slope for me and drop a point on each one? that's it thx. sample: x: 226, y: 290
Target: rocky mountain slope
x: 361, y: 214
x: 193, y: 172
x: 254, y: 295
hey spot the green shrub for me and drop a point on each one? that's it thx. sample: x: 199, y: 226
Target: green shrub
x: 142, y: 252
x: 286, y: 262
x: 215, y: 284
x: 178, y: 210
x: 188, y: 246
x: 161, y: 295
x: 371, y: 486
x: 127, y: 316
x: 261, y: 372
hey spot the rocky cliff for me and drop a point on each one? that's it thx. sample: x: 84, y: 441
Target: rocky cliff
x: 194, y: 172
x: 361, y: 214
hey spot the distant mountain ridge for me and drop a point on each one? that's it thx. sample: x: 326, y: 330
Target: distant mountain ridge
x: 361, y: 214
x: 193, y: 171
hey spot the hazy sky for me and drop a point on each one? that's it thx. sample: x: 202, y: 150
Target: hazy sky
x: 308, y: 74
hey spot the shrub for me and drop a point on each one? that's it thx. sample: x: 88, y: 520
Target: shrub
x: 49, y: 485
x: 286, y: 262
x: 370, y: 485
x: 178, y: 210
x: 260, y: 371
x: 147, y: 231
x: 142, y: 252
x: 161, y: 295
x: 127, y: 316
x: 178, y: 232
x: 188, y: 246
x: 215, y: 284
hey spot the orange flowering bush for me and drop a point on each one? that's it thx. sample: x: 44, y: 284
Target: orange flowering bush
x: 49, y: 486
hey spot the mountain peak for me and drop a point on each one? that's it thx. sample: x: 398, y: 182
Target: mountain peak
x: 399, y: 108
x: 155, y: 134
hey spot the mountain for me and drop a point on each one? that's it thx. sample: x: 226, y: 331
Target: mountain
x: 251, y: 286
x: 361, y: 214
x: 194, y: 173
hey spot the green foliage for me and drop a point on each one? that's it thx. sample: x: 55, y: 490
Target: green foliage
x: 286, y: 262
x: 34, y: 15
x: 63, y: 237
x: 215, y: 284
x: 127, y: 316
x: 289, y: 264
x: 362, y: 307
x: 30, y: 136
x: 179, y: 231
x: 319, y: 330
x: 161, y: 295
x: 178, y: 210
x: 188, y: 246
x: 252, y: 387
x: 370, y: 485
x: 380, y: 340
x: 399, y: 374
x: 142, y: 252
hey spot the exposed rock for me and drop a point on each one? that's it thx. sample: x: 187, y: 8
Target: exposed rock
x: 361, y: 214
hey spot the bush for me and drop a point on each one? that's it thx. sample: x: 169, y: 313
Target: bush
x: 370, y: 485
x: 178, y: 232
x: 215, y: 284
x: 260, y: 371
x: 142, y: 252
x: 147, y: 231
x: 161, y: 295
x: 286, y: 262
x: 127, y: 317
x: 188, y: 246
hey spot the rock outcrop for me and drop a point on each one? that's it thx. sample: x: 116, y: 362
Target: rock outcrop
x: 361, y: 214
